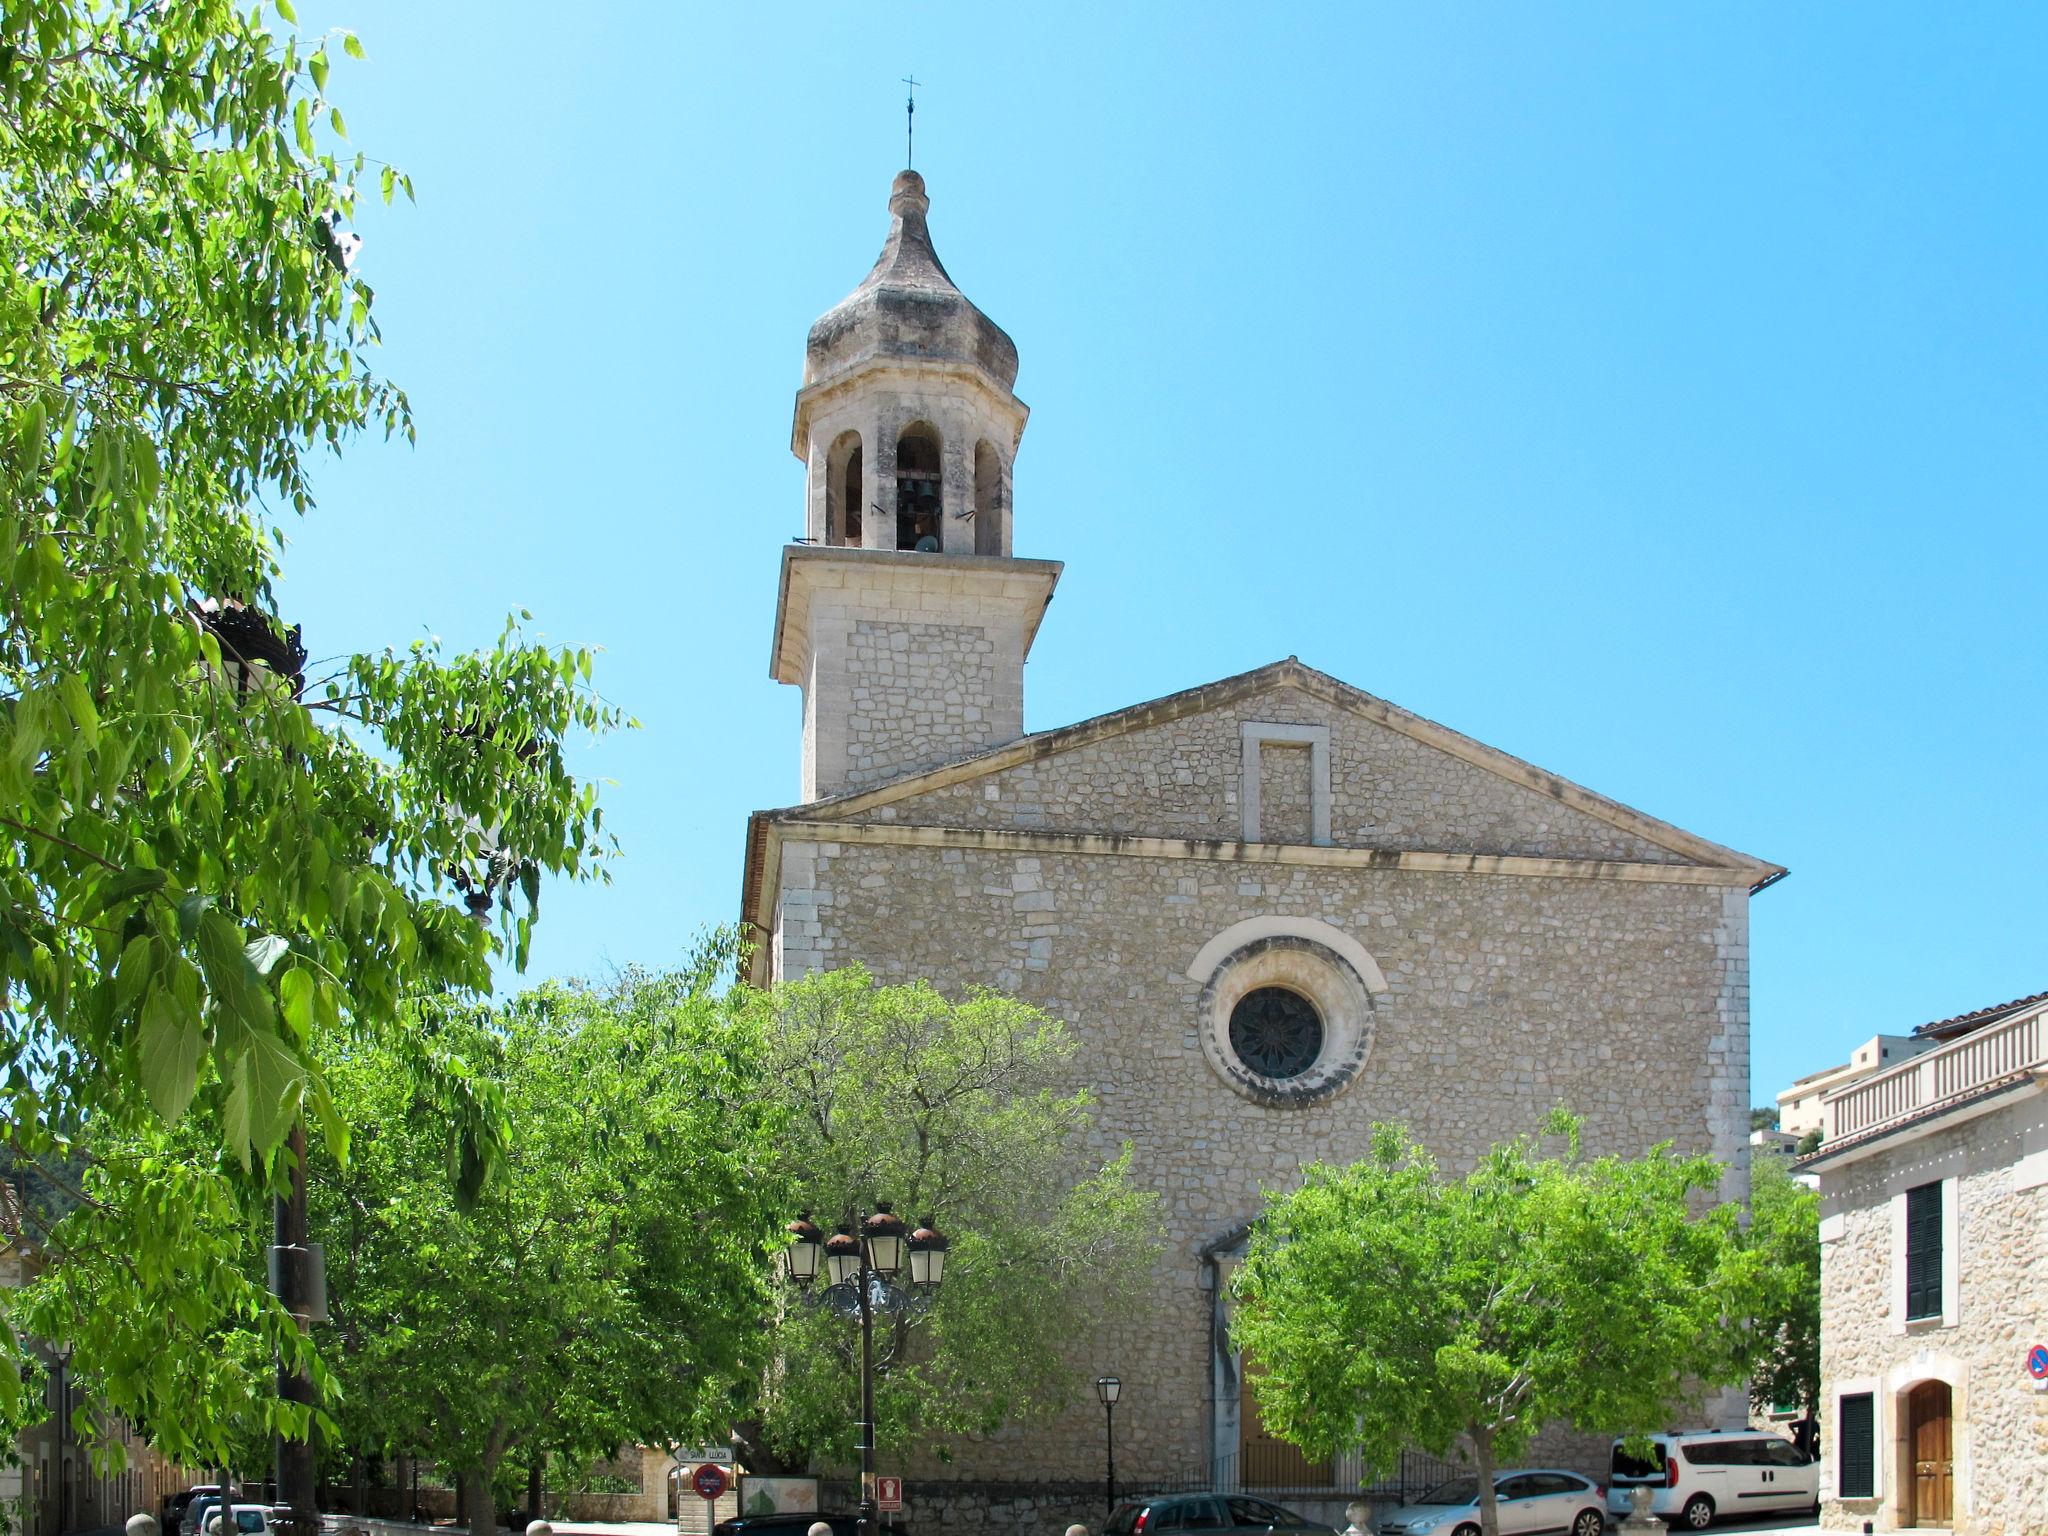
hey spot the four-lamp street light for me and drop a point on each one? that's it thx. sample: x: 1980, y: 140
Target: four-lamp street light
x: 1109, y: 1389
x: 862, y: 1275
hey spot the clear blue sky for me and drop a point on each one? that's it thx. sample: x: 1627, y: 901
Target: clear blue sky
x: 1654, y: 392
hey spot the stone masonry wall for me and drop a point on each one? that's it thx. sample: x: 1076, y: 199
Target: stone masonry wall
x: 1506, y: 996
x: 1180, y: 779
x: 2000, y: 1422
x: 918, y: 696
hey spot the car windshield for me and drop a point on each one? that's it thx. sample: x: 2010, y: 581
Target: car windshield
x: 1120, y: 1523
x: 1459, y: 1490
x: 250, y: 1520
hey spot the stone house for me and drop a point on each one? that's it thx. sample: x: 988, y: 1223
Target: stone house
x: 1934, y: 1283
x: 1274, y: 908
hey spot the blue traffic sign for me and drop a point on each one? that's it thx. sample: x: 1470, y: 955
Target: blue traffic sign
x: 2037, y: 1362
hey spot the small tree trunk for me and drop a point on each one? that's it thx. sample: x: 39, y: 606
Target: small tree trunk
x: 474, y: 1487
x: 1482, y: 1456
x: 533, y: 1489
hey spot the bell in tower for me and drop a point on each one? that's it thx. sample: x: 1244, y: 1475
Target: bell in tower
x: 902, y: 614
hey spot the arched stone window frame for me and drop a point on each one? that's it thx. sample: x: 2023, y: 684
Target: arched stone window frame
x: 845, y: 503
x: 989, y: 509
x: 1307, y: 956
x: 923, y: 433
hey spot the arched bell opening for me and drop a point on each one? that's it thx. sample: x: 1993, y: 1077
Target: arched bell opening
x: 920, y: 504
x: 988, y: 499
x: 843, y: 491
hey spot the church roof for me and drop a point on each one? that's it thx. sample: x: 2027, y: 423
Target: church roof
x: 1754, y: 872
x: 907, y: 307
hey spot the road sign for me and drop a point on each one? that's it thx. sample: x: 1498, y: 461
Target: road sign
x: 2037, y: 1362
x: 889, y: 1495
x: 709, y: 1481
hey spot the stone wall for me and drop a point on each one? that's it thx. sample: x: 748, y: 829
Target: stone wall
x: 1181, y: 778
x: 921, y: 695
x: 1999, y: 1167
x: 1504, y: 996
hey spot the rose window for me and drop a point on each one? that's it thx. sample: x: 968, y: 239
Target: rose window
x: 1275, y: 1032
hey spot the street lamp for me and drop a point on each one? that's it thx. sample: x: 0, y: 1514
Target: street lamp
x: 861, y: 1274
x: 1109, y: 1389
x: 256, y: 653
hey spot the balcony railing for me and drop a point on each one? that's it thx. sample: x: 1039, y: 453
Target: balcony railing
x: 1953, y: 1071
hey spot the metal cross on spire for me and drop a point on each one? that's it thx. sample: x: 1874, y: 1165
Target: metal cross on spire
x: 909, y: 119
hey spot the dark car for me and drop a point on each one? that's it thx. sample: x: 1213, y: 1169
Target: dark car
x: 1207, y: 1512
x: 177, y: 1504
x: 799, y: 1525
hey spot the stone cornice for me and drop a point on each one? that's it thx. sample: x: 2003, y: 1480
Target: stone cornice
x: 911, y: 376
x: 990, y: 579
x: 767, y: 831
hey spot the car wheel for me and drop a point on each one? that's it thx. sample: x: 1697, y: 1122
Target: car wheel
x: 1698, y: 1513
x: 1466, y: 1530
x: 1589, y: 1522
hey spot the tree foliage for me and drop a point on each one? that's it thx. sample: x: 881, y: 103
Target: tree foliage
x: 201, y: 884
x: 610, y: 1283
x: 1785, y: 1231
x: 963, y: 1111
x: 1390, y: 1306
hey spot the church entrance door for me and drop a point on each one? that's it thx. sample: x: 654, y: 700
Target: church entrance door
x: 1263, y: 1459
x: 1932, y: 1442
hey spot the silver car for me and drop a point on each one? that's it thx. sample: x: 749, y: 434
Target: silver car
x: 1529, y: 1500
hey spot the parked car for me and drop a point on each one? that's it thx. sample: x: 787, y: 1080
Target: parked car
x: 176, y: 1506
x: 800, y: 1525
x: 1701, y: 1476
x: 1206, y: 1512
x: 250, y: 1520
x: 1528, y: 1499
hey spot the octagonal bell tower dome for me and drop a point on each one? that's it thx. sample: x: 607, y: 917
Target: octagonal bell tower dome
x: 906, y: 420
x: 902, y: 614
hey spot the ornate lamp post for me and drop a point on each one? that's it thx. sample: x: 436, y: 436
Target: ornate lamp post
x: 1109, y: 1389
x: 861, y: 1280
x: 254, y: 655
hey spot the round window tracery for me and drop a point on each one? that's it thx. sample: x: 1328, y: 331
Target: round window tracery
x: 1286, y: 1022
x: 1276, y: 1032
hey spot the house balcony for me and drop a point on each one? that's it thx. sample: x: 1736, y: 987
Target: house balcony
x: 2009, y: 1052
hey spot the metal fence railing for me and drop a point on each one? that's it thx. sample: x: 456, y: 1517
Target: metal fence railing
x: 1281, y: 1476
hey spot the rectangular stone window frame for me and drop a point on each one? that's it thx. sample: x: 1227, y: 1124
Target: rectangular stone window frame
x: 1317, y: 739
x: 1951, y: 1250
x: 1858, y: 1398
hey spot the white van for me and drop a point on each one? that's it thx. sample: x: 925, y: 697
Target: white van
x: 1699, y: 1477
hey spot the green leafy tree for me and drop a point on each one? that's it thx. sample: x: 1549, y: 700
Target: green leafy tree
x: 204, y: 875
x: 1390, y: 1306
x: 1785, y: 1231
x: 963, y: 1110
x: 609, y: 1284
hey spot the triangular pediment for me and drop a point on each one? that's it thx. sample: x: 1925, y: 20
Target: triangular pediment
x: 1178, y: 767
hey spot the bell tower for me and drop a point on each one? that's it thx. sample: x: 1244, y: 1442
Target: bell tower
x: 902, y: 614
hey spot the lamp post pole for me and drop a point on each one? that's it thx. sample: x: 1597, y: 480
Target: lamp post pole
x: 866, y: 1523
x: 1109, y: 1389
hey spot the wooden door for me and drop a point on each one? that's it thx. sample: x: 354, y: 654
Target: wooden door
x: 1934, y: 1468
x: 1264, y: 1460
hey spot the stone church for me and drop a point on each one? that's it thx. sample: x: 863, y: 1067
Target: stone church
x: 1273, y: 908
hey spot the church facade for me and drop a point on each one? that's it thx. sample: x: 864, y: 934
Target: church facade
x: 1274, y: 909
